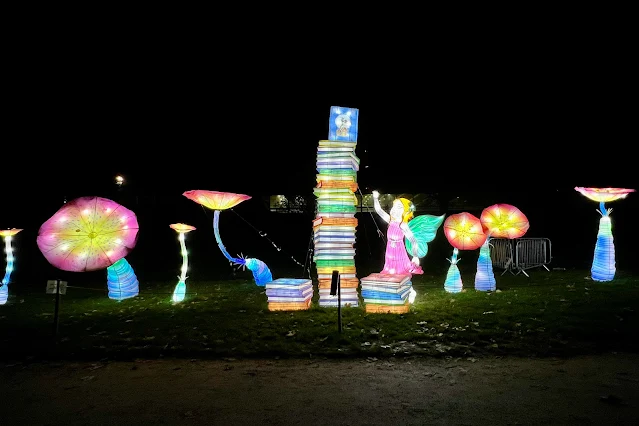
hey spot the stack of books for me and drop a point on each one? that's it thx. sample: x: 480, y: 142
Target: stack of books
x: 387, y: 293
x: 289, y: 294
x: 335, y: 224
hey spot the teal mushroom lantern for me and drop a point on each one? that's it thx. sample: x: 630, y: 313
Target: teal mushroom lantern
x: 603, y: 265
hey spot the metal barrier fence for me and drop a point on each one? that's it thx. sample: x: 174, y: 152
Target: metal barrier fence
x: 518, y: 255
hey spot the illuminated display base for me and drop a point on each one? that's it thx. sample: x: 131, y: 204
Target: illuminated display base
x: 387, y: 293
x: 289, y: 294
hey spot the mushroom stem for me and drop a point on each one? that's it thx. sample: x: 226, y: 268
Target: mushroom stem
x: 603, y: 264
x: 185, y: 258
x: 261, y: 272
x: 485, y: 277
x: 602, y: 208
x: 9, y: 268
x: 453, y: 258
x: 216, y: 229
x: 453, y: 283
x: 180, y: 288
x: 4, y: 285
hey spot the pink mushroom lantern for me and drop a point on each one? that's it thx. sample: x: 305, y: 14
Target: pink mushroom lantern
x: 89, y: 234
x: 218, y: 201
x: 498, y: 221
x: 7, y: 235
x: 464, y: 232
x: 603, y: 265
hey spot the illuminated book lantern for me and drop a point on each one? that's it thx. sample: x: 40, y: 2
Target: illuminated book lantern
x: 335, y: 223
x: 464, y: 232
x: 289, y: 294
x: 387, y: 293
x: 7, y: 235
x: 342, y: 125
x: 218, y: 201
x: 180, y: 288
x: 89, y: 234
x: 603, y: 265
x: 498, y: 221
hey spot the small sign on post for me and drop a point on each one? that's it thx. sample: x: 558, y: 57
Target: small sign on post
x: 336, y: 289
x: 56, y: 287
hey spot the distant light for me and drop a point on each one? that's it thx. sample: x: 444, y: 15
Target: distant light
x: 119, y: 180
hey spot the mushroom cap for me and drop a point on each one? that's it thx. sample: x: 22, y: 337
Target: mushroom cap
x: 504, y: 221
x: 88, y: 234
x: 216, y: 200
x: 464, y: 231
x: 182, y: 227
x: 9, y: 232
x: 604, y: 195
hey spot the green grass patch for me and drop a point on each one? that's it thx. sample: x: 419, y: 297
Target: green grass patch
x: 557, y: 313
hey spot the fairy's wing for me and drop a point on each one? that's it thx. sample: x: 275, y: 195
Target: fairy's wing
x: 424, y: 228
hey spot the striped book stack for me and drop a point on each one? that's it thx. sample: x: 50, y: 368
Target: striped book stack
x: 335, y: 223
x: 289, y: 294
x: 387, y: 293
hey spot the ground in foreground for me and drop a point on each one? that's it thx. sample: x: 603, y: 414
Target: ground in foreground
x: 600, y: 389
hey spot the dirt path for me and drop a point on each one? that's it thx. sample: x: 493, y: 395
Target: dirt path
x: 597, y: 390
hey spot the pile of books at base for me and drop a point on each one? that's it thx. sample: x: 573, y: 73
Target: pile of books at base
x: 347, y: 291
x: 387, y: 293
x: 289, y: 294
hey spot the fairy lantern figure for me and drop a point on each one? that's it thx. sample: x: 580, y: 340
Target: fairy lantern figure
x: 406, y: 234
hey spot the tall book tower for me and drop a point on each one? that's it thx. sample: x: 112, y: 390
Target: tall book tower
x: 335, y: 223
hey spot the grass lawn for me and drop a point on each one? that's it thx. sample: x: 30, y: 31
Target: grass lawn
x: 556, y: 313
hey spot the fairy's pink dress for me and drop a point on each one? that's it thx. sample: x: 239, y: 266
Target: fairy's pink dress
x: 397, y: 261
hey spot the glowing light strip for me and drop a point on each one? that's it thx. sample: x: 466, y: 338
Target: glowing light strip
x: 180, y: 289
x: 4, y: 288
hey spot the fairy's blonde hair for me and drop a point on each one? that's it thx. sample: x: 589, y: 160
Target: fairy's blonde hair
x: 409, y: 208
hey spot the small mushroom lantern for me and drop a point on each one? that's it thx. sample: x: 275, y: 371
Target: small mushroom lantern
x: 603, y: 265
x: 464, y: 232
x: 498, y: 221
x: 180, y: 289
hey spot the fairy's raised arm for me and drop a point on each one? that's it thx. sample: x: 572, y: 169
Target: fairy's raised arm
x: 378, y: 207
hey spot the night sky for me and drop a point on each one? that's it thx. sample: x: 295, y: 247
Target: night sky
x: 265, y: 142
x: 234, y: 117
